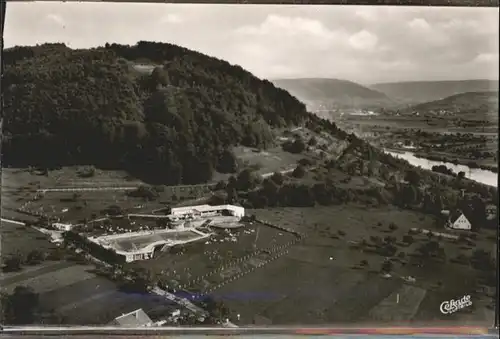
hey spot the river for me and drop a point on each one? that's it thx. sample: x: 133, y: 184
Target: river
x: 483, y: 176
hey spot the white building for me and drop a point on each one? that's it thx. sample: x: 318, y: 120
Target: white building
x: 201, y: 211
x: 62, y: 227
x: 144, y: 243
x: 137, y: 318
x: 459, y: 221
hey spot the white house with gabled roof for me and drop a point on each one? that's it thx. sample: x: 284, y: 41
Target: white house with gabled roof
x: 458, y: 221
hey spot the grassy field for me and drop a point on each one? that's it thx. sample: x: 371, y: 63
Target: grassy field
x: 198, y: 265
x: 268, y: 161
x: 19, y: 187
x: 323, y: 275
x: 21, y: 239
x: 72, y: 290
x: 265, y: 275
x: 75, y: 292
x: 443, y: 125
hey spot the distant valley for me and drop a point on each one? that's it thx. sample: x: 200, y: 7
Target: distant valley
x: 415, y: 92
x: 324, y: 94
x: 469, y: 105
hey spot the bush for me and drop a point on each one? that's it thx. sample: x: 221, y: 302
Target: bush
x: 312, y: 142
x: 35, y: 257
x: 87, y: 172
x: 277, y: 178
x: 159, y: 188
x: 13, y: 263
x: 386, y: 266
x: 297, y: 146
x: 145, y: 192
x: 299, y: 172
x: 408, y: 239
x: 305, y: 162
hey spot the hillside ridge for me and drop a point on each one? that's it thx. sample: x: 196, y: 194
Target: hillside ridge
x: 337, y: 93
x: 174, y: 122
x: 415, y: 92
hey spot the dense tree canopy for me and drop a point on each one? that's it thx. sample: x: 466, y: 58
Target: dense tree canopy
x: 172, y: 123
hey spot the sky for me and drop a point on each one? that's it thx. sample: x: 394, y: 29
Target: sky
x: 364, y: 44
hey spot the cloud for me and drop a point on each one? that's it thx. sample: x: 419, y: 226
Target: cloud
x: 171, y: 19
x: 366, y: 13
x: 420, y: 25
x: 363, y: 40
x: 284, y: 26
x: 486, y: 58
x: 360, y: 43
x: 56, y: 19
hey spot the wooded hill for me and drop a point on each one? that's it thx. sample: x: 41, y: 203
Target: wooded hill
x: 415, y: 92
x: 67, y: 107
x: 334, y: 93
x: 478, y: 105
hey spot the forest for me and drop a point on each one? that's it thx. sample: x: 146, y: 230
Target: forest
x: 170, y: 126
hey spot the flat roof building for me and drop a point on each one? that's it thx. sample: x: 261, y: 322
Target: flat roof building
x: 62, y: 227
x: 207, y: 210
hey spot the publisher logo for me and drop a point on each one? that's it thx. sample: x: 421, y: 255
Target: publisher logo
x: 452, y: 306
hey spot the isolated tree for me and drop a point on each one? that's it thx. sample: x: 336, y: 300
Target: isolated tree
x: 299, y: 172
x: 408, y: 239
x: 413, y: 177
x: 246, y: 180
x: 482, y: 260
x: 389, y: 240
x: 429, y: 249
x: 387, y: 266
x: 13, y: 263
x: 21, y: 306
x: 53, y: 317
x: 393, y: 226
x: 216, y: 308
x: 161, y: 223
x: 35, y: 257
x: 138, y: 280
x: 56, y: 254
x: 312, y: 141
x: 228, y: 163
x: 297, y: 146
x: 232, y: 195
x: 278, y: 178
x: 220, y: 185
x: 159, y: 188
x: 305, y: 162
